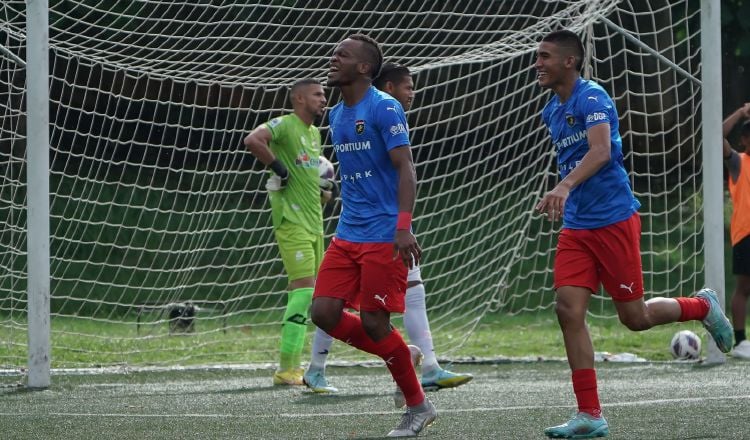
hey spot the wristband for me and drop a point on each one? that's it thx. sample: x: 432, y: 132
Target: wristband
x: 279, y: 168
x: 404, y: 221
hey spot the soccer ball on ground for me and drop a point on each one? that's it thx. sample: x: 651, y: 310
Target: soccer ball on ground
x: 325, y: 168
x: 685, y: 345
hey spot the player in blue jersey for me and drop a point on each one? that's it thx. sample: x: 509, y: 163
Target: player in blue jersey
x: 600, y: 238
x: 366, y: 263
x: 397, y: 81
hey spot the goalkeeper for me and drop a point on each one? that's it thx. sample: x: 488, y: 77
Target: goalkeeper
x: 290, y: 146
x: 396, y: 80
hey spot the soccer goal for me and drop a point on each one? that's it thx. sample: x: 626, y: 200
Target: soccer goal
x: 158, y: 247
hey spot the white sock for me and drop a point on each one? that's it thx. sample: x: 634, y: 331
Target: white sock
x: 417, y: 326
x: 320, y: 345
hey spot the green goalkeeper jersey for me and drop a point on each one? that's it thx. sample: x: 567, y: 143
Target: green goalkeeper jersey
x: 297, y: 146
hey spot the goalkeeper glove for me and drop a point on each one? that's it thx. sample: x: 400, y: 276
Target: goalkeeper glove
x: 329, y: 185
x: 277, y: 182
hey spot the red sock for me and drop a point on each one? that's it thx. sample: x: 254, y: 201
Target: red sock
x: 584, y: 387
x: 398, y: 360
x: 693, y: 309
x: 392, y: 349
x: 349, y: 330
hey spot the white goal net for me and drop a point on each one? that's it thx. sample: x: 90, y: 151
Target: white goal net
x: 154, y: 203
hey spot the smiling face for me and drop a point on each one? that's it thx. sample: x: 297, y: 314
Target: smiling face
x: 553, y: 65
x: 346, y: 65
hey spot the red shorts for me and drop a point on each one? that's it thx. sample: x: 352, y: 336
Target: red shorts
x: 365, y: 275
x: 610, y: 255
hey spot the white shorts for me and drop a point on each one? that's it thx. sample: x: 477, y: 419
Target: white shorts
x: 414, y: 274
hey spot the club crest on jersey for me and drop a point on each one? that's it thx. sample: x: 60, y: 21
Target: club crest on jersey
x: 304, y: 160
x: 359, y: 126
x: 570, y: 120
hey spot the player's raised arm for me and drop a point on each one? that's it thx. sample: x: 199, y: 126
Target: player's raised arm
x: 727, y: 149
x: 731, y: 158
x: 405, y: 243
x: 734, y: 118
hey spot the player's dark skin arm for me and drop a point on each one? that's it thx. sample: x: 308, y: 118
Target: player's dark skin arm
x: 377, y: 324
x: 553, y: 203
x: 326, y: 312
x: 727, y: 149
x: 405, y: 243
x: 734, y: 118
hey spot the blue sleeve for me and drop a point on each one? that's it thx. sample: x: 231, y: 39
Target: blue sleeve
x: 597, y: 108
x: 545, y: 118
x: 331, y: 119
x: 391, y: 121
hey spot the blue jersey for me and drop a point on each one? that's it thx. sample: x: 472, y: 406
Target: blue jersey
x: 606, y: 197
x: 361, y: 136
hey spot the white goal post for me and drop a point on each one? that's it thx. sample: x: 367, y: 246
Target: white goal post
x: 146, y: 204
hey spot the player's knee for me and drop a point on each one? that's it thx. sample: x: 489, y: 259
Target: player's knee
x: 744, y: 290
x: 567, y: 313
x: 377, y: 327
x: 635, y: 323
x: 321, y: 320
x: 372, y: 328
x: 323, y: 317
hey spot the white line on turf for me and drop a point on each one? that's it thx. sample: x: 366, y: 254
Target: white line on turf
x: 699, y: 400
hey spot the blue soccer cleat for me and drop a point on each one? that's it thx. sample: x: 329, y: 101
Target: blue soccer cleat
x: 440, y: 378
x: 316, y: 381
x: 716, y: 322
x: 582, y: 425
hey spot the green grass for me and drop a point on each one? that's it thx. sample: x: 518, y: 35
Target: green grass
x: 201, y: 236
x: 472, y: 313
x: 506, y: 401
x: 249, y: 339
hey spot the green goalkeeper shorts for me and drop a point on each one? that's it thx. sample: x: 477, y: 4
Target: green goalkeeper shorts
x: 301, y: 250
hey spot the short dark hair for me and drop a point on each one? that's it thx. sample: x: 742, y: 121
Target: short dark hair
x: 373, y: 52
x: 392, y: 72
x: 569, y: 40
x: 304, y: 82
x: 745, y: 129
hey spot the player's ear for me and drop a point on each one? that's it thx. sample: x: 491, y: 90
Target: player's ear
x: 296, y: 98
x: 570, y: 61
x: 364, y: 67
